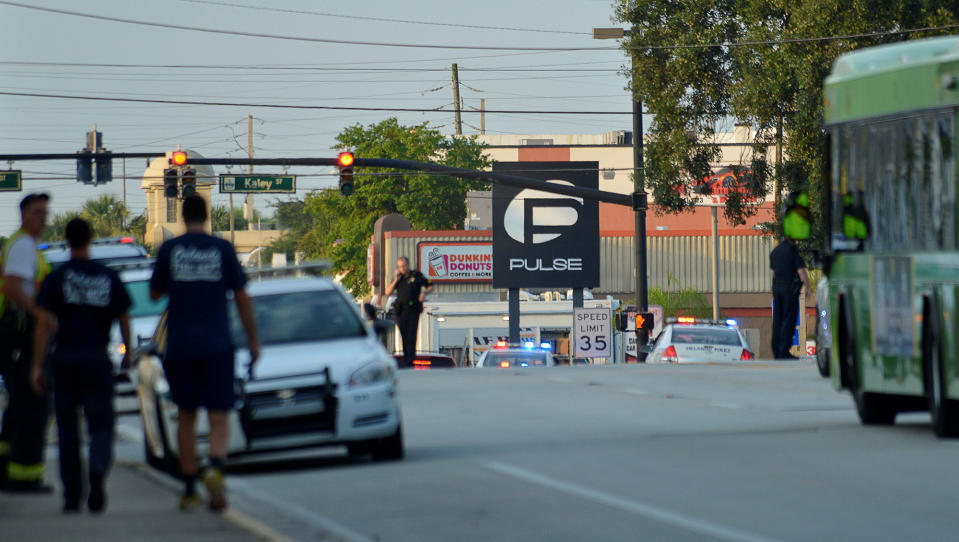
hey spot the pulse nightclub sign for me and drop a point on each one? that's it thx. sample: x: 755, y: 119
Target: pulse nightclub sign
x: 545, y: 240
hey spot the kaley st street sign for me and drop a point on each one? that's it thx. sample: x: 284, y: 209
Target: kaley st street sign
x: 258, y: 184
x: 10, y: 181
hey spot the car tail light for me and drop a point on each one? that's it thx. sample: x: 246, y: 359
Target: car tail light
x: 422, y: 364
x: 504, y: 364
x: 670, y: 354
x: 746, y: 355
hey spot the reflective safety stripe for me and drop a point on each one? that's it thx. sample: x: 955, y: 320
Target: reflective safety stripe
x: 25, y: 473
x: 4, y: 448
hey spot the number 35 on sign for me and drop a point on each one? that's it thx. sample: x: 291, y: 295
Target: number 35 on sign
x: 592, y: 333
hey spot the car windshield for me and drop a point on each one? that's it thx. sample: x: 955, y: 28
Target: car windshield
x: 139, y: 292
x: 515, y: 359
x: 299, y: 317
x: 689, y: 335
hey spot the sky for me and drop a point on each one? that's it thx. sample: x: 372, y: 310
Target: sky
x: 37, y: 48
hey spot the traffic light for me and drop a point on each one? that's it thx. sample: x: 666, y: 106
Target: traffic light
x: 187, y: 182
x: 170, y: 178
x: 104, y: 164
x: 796, y: 221
x: 345, y: 162
x: 645, y: 321
x: 178, y: 158
x: 84, y: 170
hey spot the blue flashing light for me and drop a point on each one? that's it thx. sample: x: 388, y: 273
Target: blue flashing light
x: 529, y: 344
x: 732, y: 323
x: 524, y: 364
x: 545, y: 346
x: 43, y: 246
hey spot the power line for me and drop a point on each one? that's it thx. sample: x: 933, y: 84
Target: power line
x: 295, y: 106
x: 292, y: 68
x: 631, y: 47
x: 296, y: 38
x: 382, y: 19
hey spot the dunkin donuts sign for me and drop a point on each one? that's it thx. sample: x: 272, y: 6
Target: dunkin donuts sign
x: 456, y: 262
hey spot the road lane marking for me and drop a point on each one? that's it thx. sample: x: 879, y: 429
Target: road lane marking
x: 726, y: 404
x: 634, y: 507
x: 301, y: 513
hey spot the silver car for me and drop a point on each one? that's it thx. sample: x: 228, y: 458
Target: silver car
x: 687, y: 340
x: 322, y: 379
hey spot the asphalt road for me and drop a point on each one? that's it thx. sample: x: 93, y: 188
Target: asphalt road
x: 746, y: 452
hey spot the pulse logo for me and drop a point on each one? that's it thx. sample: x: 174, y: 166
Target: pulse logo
x: 535, y: 217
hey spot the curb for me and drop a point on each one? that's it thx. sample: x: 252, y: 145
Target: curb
x: 241, y: 520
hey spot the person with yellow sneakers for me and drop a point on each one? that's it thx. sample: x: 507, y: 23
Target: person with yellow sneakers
x: 23, y: 434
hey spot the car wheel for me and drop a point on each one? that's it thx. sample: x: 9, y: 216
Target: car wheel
x: 944, y: 411
x: 389, y: 448
x: 822, y: 353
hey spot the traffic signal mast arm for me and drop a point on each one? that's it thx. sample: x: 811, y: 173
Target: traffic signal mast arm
x: 489, y: 176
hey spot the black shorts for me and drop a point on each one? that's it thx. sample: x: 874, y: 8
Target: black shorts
x: 206, y: 381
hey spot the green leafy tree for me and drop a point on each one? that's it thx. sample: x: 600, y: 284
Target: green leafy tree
x: 777, y: 88
x: 106, y: 215
x: 680, y: 301
x: 340, y: 227
x: 220, y: 218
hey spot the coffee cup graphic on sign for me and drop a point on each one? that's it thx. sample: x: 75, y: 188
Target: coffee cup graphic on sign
x: 437, y: 263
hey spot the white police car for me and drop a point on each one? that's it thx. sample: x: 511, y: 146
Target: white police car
x: 526, y: 354
x: 322, y: 379
x: 108, y: 250
x: 690, y: 340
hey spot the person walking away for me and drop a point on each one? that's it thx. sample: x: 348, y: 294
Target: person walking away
x: 411, y: 288
x: 789, y: 275
x: 23, y: 435
x: 84, y: 298
x: 197, y: 271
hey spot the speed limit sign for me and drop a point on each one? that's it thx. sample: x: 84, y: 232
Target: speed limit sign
x: 592, y: 333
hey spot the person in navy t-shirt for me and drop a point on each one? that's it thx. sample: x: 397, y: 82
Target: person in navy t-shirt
x: 197, y: 271
x: 85, y: 298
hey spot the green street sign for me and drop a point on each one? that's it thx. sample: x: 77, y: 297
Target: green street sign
x: 10, y: 181
x: 258, y: 184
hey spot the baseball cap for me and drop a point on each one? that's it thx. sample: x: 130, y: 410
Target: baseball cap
x: 30, y: 198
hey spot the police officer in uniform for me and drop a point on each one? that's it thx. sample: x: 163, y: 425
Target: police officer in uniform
x: 23, y: 436
x: 789, y: 275
x: 197, y: 271
x: 411, y: 288
x: 85, y: 298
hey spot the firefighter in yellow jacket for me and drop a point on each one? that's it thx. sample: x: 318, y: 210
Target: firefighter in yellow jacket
x: 23, y: 434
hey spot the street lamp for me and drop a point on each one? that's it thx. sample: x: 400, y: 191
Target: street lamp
x: 639, y: 191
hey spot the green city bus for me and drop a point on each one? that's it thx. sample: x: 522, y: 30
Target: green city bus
x: 891, y: 254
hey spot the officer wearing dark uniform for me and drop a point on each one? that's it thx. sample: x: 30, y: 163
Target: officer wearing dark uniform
x: 411, y: 288
x: 789, y: 275
x: 23, y: 435
x: 85, y: 297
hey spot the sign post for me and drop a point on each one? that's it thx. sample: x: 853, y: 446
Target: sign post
x: 592, y: 333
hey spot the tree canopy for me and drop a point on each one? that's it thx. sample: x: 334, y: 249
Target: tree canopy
x: 692, y: 87
x: 327, y: 224
x: 108, y: 217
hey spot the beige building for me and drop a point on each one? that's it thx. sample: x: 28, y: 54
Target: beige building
x: 164, y: 215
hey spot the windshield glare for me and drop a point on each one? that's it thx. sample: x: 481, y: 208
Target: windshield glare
x: 299, y: 317
x: 139, y: 292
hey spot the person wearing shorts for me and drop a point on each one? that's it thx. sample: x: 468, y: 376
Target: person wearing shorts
x: 198, y: 271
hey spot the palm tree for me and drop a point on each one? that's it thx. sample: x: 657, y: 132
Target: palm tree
x: 106, y: 215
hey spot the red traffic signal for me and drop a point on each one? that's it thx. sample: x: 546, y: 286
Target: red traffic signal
x: 178, y: 158
x: 344, y: 159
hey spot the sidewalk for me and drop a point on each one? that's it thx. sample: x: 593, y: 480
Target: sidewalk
x: 141, y: 507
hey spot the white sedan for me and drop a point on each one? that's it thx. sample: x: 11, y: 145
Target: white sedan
x: 322, y: 379
x: 687, y: 340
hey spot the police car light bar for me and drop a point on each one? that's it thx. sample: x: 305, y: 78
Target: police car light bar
x: 545, y: 346
x: 500, y: 344
x: 529, y: 345
x: 690, y: 320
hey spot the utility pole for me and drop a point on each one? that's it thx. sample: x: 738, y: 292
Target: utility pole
x: 456, y: 100
x: 123, y: 192
x: 249, y: 147
x: 483, y: 116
